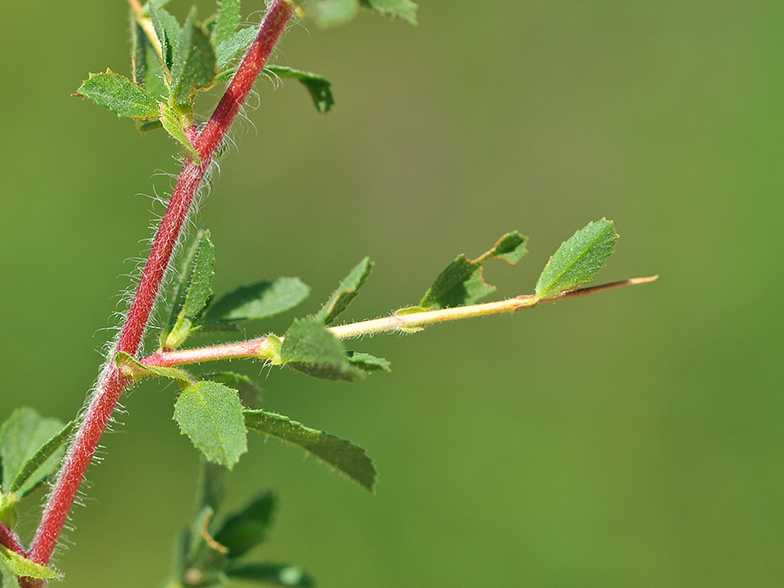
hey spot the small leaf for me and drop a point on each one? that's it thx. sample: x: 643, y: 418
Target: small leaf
x: 246, y: 528
x: 329, y: 13
x: 461, y: 283
x: 21, y: 566
x: 369, y: 363
x: 171, y: 122
x: 120, y: 95
x: 228, y: 20
x: 191, y: 301
x: 136, y: 370
x: 167, y: 29
x: 210, y: 414
x: 310, y: 348
x: 350, y: 459
x: 194, y: 62
x: 21, y: 437
x: 319, y: 88
x: 256, y: 301
x: 402, y: 9
x: 45, y: 461
x: 346, y: 292
x: 578, y: 259
x: 249, y: 391
x: 232, y: 48
x: 270, y: 573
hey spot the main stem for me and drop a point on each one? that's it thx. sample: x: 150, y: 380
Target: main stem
x: 111, y: 383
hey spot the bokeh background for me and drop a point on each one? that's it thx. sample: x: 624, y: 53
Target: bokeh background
x: 632, y: 439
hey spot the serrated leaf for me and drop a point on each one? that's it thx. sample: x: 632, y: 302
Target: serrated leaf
x: 350, y: 459
x: 136, y: 370
x: 21, y: 437
x: 461, y: 283
x: 578, y: 259
x: 246, y: 528
x: 329, y: 13
x: 44, y: 462
x: 21, y: 566
x: 192, y: 299
x: 256, y: 301
x: 232, y: 48
x: 402, y: 9
x: 271, y: 573
x: 249, y: 390
x: 120, y: 95
x: 194, y: 62
x: 210, y: 414
x: 171, y: 122
x: 7, y: 575
x: 228, y: 20
x: 168, y: 31
x: 345, y: 293
x: 310, y: 348
x: 369, y: 363
x: 319, y: 88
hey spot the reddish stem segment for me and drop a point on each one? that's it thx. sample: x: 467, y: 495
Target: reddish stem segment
x: 8, y: 539
x: 111, y: 384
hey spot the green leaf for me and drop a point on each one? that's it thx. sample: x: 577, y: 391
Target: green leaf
x: 310, y: 348
x: 256, y: 301
x: 170, y: 121
x: 120, y: 95
x: 21, y: 566
x: 194, y: 62
x: 232, y: 48
x: 192, y: 299
x: 346, y: 292
x: 8, y: 576
x: 21, y: 437
x: 212, y: 485
x: 329, y: 13
x: 461, y: 283
x: 369, y: 363
x: 45, y: 461
x: 270, y: 573
x: 210, y: 414
x: 350, y: 459
x: 246, y: 528
x: 167, y: 29
x: 319, y: 88
x: 402, y: 9
x: 228, y: 20
x: 578, y: 259
x: 249, y: 391
x: 136, y: 370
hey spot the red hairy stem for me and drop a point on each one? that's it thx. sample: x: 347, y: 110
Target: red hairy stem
x: 8, y: 539
x: 111, y: 384
x: 240, y: 350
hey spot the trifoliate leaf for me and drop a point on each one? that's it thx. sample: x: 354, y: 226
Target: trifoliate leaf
x: 21, y: 566
x: 271, y: 574
x: 120, y: 95
x: 256, y: 301
x: 246, y: 528
x: 350, y: 459
x: 21, y: 437
x: 319, y: 88
x: 461, y: 283
x: 230, y: 49
x: 194, y: 62
x: 210, y: 414
x: 136, y: 370
x: 329, y: 13
x: 228, y: 20
x: 168, y: 31
x: 45, y: 461
x: 310, y: 348
x: 171, y: 122
x: 191, y: 300
x: 578, y: 259
x: 402, y: 9
x: 346, y: 292
x: 369, y: 363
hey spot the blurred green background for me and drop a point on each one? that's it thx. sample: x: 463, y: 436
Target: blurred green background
x: 632, y: 439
